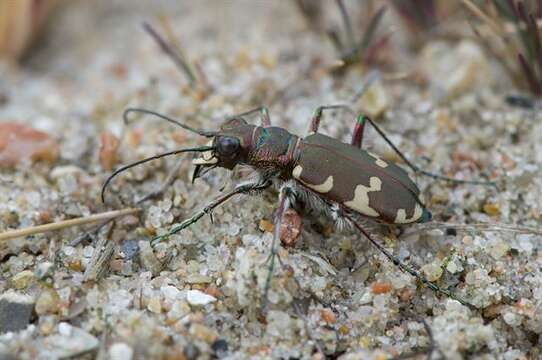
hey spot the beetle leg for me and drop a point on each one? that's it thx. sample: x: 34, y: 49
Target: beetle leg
x: 315, y: 121
x: 239, y: 189
x: 284, y: 204
x: 357, y: 135
x: 404, y: 267
x: 362, y: 119
x: 265, y: 119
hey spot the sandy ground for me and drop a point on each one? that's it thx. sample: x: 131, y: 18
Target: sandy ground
x: 198, y: 295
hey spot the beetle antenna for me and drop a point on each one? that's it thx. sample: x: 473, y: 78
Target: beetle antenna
x: 125, y: 116
x: 155, y: 157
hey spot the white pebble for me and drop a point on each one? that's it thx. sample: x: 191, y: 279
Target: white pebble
x: 64, y: 329
x: 120, y: 351
x: 169, y: 292
x: 69, y: 250
x: 88, y: 251
x: 451, y: 267
x: 196, y: 297
x: 512, y: 319
x: 525, y: 243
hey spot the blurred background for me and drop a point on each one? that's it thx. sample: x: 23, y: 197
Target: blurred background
x: 64, y: 60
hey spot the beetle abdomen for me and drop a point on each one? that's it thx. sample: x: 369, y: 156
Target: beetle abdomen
x: 358, y: 180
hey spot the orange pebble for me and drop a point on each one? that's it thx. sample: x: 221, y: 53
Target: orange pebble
x: 109, y: 145
x: 20, y: 142
x: 290, y: 227
x: 378, y: 288
x: 266, y: 225
x: 328, y: 316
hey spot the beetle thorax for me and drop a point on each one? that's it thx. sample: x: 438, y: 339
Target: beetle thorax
x: 272, y: 147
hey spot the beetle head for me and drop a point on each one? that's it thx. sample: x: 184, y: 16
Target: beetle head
x: 231, y: 146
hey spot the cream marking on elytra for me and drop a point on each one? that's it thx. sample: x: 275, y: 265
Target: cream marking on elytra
x: 360, y: 202
x: 323, y: 188
x: 401, y: 217
x: 296, y: 173
x: 378, y: 161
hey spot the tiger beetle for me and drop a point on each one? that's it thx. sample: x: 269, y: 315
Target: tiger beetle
x: 347, y: 182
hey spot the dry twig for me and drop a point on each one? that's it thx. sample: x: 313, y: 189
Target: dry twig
x: 12, y: 234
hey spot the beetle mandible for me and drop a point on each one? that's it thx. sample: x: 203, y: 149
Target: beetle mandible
x: 347, y: 181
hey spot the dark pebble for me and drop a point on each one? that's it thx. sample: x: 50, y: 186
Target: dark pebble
x: 220, y: 347
x: 130, y: 248
x: 191, y: 352
x: 14, y: 316
x: 520, y: 101
x: 7, y: 356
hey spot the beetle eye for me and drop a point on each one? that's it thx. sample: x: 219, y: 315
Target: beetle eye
x: 227, y: 146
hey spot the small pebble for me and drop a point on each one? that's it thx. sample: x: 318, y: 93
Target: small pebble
x: 406, y: 294
x: 198, y: 279
x: 48, y: 302
x: 451, y: 232
x: 213, y: 291
x: 15, y: 311
x: 47, y: 324
x: 328, y: 316
x: 22, y: 279
x: 498, y: 250
x: 191, y: 352
x: 134, y: 137
x: 154, y: 305
x: 432, y: 271
x: 451, y: 267
x: 290, y: 227
x: 178, y: 309
x: 266, y: 225
x: 492, y: 209
x: 20, y: 142
x: 44, y: 270
x: 220, y: 347
x: 477, y: 277
x: 148, y: 258
x: 203, y: 332
x: 375, y: 100
x: 170, y: 293
x: 129, y: 249
x: 512, y: 319
x: 109, y: 145
x: 491, y: 312
x: 64, y: 329
x: 526, y: 307
x: 120, y: 351
x: 196, y: 297
x: 380, y: 287
x: 72, y: 345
